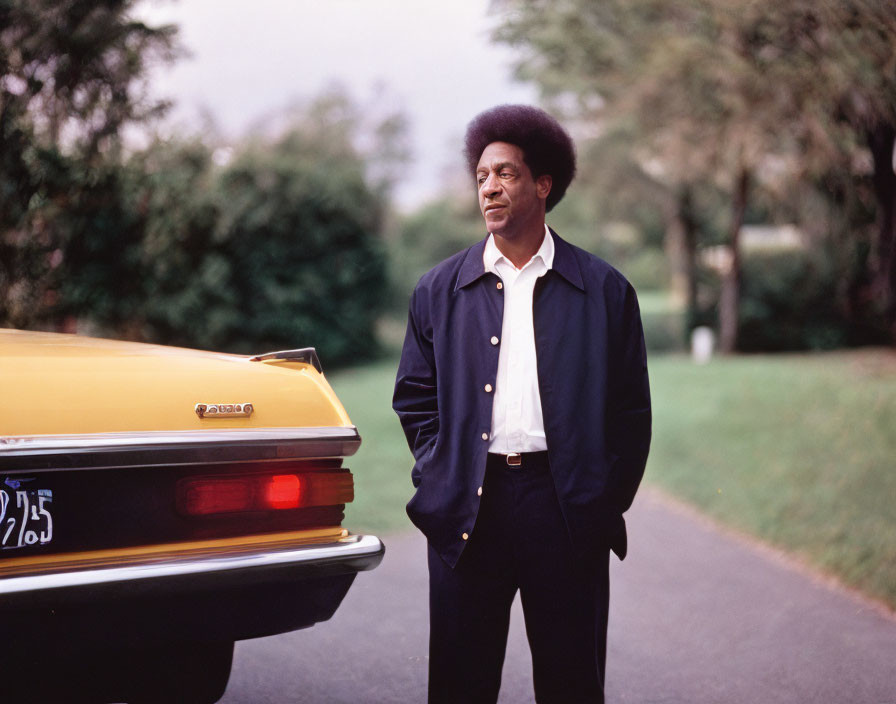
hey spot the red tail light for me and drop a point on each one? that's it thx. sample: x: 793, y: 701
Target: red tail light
x: 200, y: 497
x: 203, y: 496
x: 283, y: 491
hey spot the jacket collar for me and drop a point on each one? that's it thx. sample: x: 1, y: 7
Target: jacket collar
x: 565, y: 264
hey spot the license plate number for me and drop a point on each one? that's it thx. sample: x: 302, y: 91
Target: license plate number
x: 25, y: 517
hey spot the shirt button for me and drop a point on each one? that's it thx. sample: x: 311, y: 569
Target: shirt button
x: 479, y: 491
x: 500, y: 285
x: 485, y: 436
x: 464, y: 536
x: 488, y: 388
x: 494, y: 340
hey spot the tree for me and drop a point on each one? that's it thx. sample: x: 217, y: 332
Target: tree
x: 278, y: 247
x: 78, y: 68
x: 154, y: 264
x: 72, y: 74
x: 858, y: 41
x: 299, y: 228
x: 273, y: 244
x: 740, y: 94
x: 624, y: 62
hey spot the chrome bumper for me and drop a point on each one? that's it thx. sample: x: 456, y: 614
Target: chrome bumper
x: 38, y: 453
x: 348, y: 555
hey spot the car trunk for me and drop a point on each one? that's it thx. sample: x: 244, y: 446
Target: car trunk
x: 109, y: 445
x: 64, y: 384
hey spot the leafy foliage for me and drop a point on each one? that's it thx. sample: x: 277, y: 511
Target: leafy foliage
x: 78, y: 67
x: 744, y: 97
x: 277, y: 247
x: 431, y: 234
x: 299, y: 226
x: 72, y: 74
x: 789, y: 303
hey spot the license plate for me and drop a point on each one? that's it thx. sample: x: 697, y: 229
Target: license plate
x: 25, y: 518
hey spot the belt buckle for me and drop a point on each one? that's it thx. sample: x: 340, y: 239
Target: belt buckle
x: 514, y: 459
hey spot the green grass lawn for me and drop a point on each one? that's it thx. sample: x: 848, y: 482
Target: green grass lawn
x: 799, y: 450
x: 382, y: 467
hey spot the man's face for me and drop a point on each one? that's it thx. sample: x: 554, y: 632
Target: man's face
x: 511, y: 201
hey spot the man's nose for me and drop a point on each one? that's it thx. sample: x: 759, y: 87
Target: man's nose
x: 491, y: 185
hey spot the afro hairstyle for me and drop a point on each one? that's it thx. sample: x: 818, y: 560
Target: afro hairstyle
x: 547, y: 148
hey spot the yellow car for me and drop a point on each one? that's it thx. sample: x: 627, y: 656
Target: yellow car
x: 157, y: 504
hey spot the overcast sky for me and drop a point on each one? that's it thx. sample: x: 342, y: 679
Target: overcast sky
x: 251, y: 59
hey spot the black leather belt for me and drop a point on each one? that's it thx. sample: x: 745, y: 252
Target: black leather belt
x: 519, y: 459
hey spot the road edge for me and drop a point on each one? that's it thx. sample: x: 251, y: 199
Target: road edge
x: 792, y: 561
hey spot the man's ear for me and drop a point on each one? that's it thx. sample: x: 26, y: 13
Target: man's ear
x: 543, y: 185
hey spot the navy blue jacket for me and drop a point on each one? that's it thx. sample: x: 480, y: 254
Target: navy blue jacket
x: 592, y: 377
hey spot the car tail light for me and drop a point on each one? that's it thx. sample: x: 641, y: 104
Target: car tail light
x: 229, y: 493
x: 200, y: 497
x: 283, y: 491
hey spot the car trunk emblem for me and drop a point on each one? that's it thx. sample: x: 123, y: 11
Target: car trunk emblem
x: 224, y: 410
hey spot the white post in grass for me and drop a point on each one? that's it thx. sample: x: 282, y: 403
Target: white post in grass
x: 703, y: 340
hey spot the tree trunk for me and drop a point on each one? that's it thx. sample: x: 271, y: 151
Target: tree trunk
x: 882, y: 141
x: 681, y: 248
x: 689, y: 226
x: 729, y: 300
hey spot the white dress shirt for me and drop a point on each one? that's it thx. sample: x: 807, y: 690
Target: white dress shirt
x: 517, y: 423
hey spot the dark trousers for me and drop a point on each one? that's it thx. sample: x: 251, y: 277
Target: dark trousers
x: 520, y: 542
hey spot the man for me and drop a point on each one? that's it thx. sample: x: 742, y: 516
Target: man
x: 523, y: 393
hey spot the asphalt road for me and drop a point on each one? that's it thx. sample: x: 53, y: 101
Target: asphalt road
x: 697, y: 616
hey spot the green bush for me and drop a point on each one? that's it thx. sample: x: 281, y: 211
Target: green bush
x: 278, y: 249
x: 790, y: 301
x: 664, y: 331
x: 648, y: 270
x: 305, y: 264
x: 426, y: 237
x: 663, y: 320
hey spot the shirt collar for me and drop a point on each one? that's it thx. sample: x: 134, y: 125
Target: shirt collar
x: 492, y: 255
x: 563, y: 262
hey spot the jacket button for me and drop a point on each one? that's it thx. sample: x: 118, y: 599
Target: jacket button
x: 488, y: 388
x: 500, y: 285
x: 464, y: 536
x: 485, y: 436
x: 494, y: 340
x: 479, y: 491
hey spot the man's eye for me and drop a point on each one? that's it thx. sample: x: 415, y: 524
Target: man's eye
x: 506, y: 174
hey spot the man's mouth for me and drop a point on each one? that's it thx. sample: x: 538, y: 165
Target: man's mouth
x: 493, y: 206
